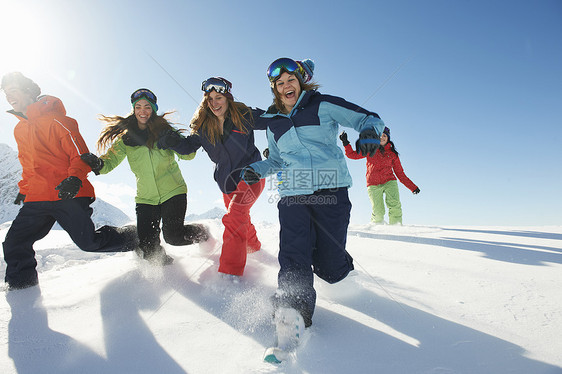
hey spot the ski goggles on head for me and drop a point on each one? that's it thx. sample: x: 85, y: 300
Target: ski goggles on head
x: 280, y: 65
x: 143, y: 93
x: 220, y: 85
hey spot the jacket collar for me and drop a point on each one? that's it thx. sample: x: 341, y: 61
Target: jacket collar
x: 227, y: 127
x: 44, y: 104
x: 20, y: 115
x: 135, y: 137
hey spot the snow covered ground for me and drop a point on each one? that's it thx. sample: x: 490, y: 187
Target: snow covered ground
x: 423, y: 300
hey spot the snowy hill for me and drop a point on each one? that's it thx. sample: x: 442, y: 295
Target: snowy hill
x: 10, y: 174
x: 423, y: 300
x: 107, y: 214
x: 211, y: 214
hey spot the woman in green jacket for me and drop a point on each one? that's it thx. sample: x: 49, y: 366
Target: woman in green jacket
x: 161, y: 189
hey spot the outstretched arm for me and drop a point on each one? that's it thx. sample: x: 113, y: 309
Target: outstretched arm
x: 171, y: 139
x: 352, y: 154
x: 113, y: 157
x: 399, y: 171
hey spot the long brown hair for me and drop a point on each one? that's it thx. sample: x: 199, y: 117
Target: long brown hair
x: 118, y: 126
x: 205, y: 123
x: 278, y: 103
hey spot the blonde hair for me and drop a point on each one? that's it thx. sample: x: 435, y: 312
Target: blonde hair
x: 206, y: 123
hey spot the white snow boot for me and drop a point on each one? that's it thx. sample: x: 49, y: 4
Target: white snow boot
x: 289, y: 326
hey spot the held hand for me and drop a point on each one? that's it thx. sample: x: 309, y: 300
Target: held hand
x: 168, y: 139
x: 19, y: 199
x: 343, y: 138
x: 249, y: 175
x: 416, y: 191
x: 93, y: 162
x: 69, y: 188
x: 369, y: 142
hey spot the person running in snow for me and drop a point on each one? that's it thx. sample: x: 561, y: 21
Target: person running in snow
x: 53, y: 187
x: 382, y: 170
x: 314, y: 207
x: 161, y: 189
x: 224, y: 128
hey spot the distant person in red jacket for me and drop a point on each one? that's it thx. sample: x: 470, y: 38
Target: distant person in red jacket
x: 382, y: 169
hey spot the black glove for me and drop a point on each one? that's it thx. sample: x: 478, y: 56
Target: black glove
x: 266, y: 153
x: 69, y: 187
x: 343, y: 138
x: 416, y: 191
x: 249, y: 175
x: 168, y: 139
x: 19, y: 199
x: 93, y: 161
x: 369, y: 142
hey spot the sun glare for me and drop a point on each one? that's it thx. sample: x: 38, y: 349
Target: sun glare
x: 23, y: 35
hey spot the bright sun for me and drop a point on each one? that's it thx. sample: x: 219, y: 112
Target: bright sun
x: 22, y: 35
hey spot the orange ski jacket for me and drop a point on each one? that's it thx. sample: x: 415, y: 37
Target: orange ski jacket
x: 49, y: 149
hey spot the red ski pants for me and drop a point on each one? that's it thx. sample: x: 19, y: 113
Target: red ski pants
x: 239, y: 237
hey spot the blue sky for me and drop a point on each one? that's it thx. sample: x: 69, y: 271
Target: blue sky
x: 468, y: 88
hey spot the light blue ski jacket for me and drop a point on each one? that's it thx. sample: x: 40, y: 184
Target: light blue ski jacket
x: 303, y: 149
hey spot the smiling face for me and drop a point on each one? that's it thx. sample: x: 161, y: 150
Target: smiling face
x: 384, y: 139
x: 217, y: 103
x: 17, y: 98
x: 289, y: 89
x: 143, y: 111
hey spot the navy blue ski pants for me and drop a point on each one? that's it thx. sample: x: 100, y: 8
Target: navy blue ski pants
x: 312, y: 240
x: 35, y: 220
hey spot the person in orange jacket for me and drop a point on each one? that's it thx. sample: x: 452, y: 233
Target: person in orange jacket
x: 54, y: 185
x: 382, y: 169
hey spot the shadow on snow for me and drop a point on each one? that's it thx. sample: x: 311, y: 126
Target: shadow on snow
x: 500, y: 251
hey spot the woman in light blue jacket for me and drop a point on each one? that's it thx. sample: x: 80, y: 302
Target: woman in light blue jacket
x: 314, y: 208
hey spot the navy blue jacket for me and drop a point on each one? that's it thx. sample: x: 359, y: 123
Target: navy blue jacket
x: 230, y: 154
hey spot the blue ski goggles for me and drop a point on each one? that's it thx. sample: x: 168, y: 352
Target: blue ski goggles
x: 143, y: 93
x: 281, y: 65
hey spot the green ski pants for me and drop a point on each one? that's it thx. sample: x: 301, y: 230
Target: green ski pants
x: 392, y: 199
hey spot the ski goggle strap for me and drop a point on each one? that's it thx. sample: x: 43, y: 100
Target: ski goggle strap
x: 220, y: 85
x: 280, y: 65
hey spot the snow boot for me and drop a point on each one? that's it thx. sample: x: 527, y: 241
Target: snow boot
x: 196, y: 233
x: 230, y: 278
x: 289, y: 326
x: 289, y: 329
x: 155, y: 256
